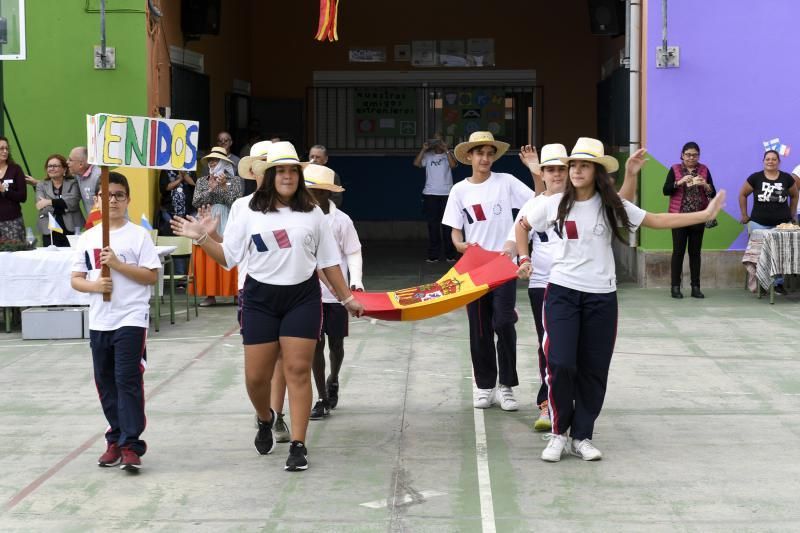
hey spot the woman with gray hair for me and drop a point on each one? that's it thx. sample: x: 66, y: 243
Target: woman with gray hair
x: 219, y: 189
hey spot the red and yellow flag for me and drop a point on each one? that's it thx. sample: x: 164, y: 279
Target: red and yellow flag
x: 475, y: 274
x: 328, y: 27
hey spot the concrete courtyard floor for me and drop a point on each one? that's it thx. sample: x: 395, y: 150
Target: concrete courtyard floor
x: 699, y: 430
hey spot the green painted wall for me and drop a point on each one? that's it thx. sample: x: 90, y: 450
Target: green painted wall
x: 49, y: 94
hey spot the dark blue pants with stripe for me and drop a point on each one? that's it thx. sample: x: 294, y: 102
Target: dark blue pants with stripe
x: 119, y: 360
x: 536, y: 296
x: 492, y: 314
x: 580, y: 332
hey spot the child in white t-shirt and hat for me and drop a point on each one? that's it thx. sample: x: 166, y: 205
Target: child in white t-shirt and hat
x: 479, y: 212
x: 320, y: 181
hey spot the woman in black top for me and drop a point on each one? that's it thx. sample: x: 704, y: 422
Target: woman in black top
x: 771, y: 189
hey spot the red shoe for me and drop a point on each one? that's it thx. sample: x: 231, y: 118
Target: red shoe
x: 130, y: 460
x: 111, y: 457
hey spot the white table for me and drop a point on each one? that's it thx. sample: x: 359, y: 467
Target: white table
x: 42, y: 277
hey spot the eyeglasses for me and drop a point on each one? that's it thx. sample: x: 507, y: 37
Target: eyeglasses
x: 55, y: 166
x: 224, y: 141
x: 691, y: 154
x: 118, y: 196
x: 3, y: 148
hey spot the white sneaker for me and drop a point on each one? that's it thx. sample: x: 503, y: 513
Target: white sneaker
x: 483, y: 399
x: 555, y: 448
x: 504, y: 397
x: 586, y: 450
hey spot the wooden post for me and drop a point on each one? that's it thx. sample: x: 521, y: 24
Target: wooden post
x: 105, y: 271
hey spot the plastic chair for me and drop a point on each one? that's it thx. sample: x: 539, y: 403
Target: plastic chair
x: 183, y: 248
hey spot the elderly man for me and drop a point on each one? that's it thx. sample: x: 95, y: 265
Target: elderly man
x: 225, y: 140
x: 319, y: 156
x: 87, y: 175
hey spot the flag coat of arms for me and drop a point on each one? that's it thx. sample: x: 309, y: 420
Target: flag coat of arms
x: 475, y: 274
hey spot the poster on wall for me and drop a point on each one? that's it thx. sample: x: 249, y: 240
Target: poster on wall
x: 423, y: 53
x: 465, y: 111
x: 480, y: 52
x: 141, y: 142
x: 452, y: 54
x: 12, y: 31
x: 385, y: 112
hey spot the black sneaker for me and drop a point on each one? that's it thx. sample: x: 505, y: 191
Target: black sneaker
x: 321, y: 409
x: 333, y: 393
x: 779, y: 289
x: 297, y: 457
x: 265, y: 441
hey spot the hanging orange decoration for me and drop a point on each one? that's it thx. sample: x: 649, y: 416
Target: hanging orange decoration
x: 328, y: 21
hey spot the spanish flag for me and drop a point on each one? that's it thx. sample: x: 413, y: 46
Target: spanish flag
x: 475, y: 274
x: 53, y: 225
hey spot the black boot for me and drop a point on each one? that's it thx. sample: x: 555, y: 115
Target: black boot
x: 696, y: 292
x: 676, y: 291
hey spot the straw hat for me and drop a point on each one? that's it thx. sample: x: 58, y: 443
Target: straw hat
x: 282, y: 153
x: 320, y: 177
x: 479, y: 138
x: 218, y: 153
x: 588, y: 149
x: 551, y: 156
x: 258, y: 153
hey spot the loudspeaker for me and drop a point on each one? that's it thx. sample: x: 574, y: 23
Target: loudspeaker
x: 607, y: 17
x: 200, y: 17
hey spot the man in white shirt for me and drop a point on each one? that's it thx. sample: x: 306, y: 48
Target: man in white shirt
x: 479, y: 213
x: 437, y: 160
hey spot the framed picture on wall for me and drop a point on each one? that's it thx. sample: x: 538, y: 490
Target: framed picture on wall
x: 367, y: 54
x: 452, y: 54
x: 402, y: 52
x: 480, y: 52
x: 423, y: 53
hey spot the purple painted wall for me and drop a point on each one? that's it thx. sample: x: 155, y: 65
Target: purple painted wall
x: 738, y: 85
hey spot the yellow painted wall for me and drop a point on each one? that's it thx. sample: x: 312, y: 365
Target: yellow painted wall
x: 144, y: 193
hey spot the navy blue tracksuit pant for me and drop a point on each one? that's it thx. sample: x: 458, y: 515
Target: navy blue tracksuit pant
x: 490, y: 314
x: 580, y: 332
x: 536, y: 296
x: 119, y: 358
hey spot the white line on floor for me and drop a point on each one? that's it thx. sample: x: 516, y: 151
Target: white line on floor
x: 380, y: 504
x: 484, y: 481
x: 150, y: 340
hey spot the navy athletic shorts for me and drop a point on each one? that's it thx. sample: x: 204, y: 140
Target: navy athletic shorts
x: 273, y: 311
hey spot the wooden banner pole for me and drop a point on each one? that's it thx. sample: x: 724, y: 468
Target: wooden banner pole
x: 105, y: 271
x: 530, y: 124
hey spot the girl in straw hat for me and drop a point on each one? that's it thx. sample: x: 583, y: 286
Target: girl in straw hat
x: 285, y: 238
x: 219, y: 189
x: 479, y: 212
x: 320, y: 181
x: 536, y: 267
x: 580, y: 307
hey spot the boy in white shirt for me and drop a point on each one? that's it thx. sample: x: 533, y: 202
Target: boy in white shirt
x: 481, y: 205
x: 118, y: 328
x: 320, y: 181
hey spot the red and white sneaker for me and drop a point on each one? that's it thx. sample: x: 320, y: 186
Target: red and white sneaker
x: 111, y: 456
x: 130, y: 460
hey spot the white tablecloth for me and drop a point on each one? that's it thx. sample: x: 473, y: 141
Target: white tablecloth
x: 42, y: 277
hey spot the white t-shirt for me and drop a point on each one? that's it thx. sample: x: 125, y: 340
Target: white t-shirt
x: 130, y: 301
x: 282, y: 248
x: 542, y: 248
x: 438, y: 176
x: 582, y: 257
x: 483, y: 210
x: 346, y: 237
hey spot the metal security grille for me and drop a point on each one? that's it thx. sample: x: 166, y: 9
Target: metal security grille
x: 399, y: 119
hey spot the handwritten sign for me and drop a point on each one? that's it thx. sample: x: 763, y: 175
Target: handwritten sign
x: 142, y: 142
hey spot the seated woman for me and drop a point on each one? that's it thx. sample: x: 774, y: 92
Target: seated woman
x: 771, y: 188
x: 60, y: 196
